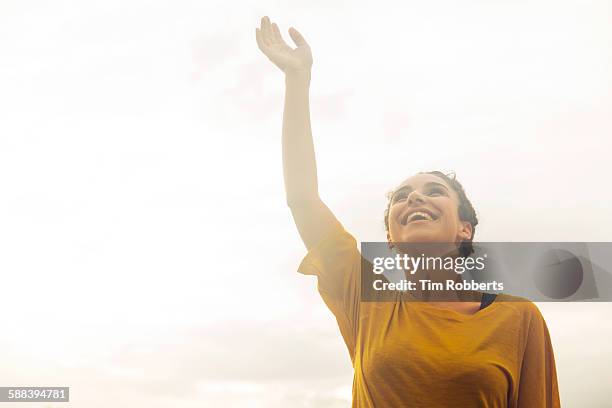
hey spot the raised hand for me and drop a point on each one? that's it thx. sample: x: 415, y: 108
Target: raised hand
x: 289, y: 60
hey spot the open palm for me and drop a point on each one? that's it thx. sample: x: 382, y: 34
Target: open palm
x: 271, y: 43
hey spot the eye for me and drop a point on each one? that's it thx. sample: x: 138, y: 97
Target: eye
x: 399, y: 196
x: 436, y: 192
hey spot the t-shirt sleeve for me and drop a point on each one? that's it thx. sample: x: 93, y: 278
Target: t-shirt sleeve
x: 336, y: 262
x: 538, y: 386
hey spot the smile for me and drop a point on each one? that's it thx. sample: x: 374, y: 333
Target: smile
x: 418, y: 216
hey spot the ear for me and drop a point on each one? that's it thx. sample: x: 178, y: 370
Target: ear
x: 465, y: 231
x: 389, y: 241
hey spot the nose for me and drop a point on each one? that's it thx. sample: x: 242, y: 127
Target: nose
x: 415, y: 198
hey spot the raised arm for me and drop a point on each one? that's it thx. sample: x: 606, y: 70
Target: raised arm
x: 312, y: 217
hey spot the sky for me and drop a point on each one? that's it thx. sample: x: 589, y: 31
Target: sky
x: 148, y: 256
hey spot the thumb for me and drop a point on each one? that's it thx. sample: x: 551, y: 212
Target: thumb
x: 297, y: 38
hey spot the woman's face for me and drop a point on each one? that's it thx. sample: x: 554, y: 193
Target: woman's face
x: 424, y: 209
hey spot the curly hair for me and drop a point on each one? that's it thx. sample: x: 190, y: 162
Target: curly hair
x: 466, y: 210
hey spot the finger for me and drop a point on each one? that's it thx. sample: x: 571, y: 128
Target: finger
x: 262, y: 30
x: 297, y: 38
x: 278, y: 39
x: 266, y: 30
x: 259, y: 38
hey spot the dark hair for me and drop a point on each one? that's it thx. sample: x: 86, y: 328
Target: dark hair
x: 466, y: 210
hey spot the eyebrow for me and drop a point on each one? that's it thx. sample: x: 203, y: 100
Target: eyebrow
x: 429, y: 184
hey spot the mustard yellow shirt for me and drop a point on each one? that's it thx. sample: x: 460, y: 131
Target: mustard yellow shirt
x: 412, y: 354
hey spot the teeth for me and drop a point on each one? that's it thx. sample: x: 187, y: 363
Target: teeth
x: 419, y: 213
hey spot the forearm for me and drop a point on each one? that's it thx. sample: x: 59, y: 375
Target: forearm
x: 299, y: 164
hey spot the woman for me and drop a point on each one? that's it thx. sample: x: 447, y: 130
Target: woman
x: 440, y: 353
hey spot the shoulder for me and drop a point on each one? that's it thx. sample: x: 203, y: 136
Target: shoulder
x: 524, y: 308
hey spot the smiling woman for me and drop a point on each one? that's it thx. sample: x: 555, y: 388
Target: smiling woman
x: 443, y: 198
x: 471, y: 352
x: 441, y: 188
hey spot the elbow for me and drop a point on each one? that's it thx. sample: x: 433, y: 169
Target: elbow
x: 301, y: 201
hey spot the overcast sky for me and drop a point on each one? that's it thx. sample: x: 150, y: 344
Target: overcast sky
x: 148, y: 257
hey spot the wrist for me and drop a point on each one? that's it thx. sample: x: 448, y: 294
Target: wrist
x: 297, y: 76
